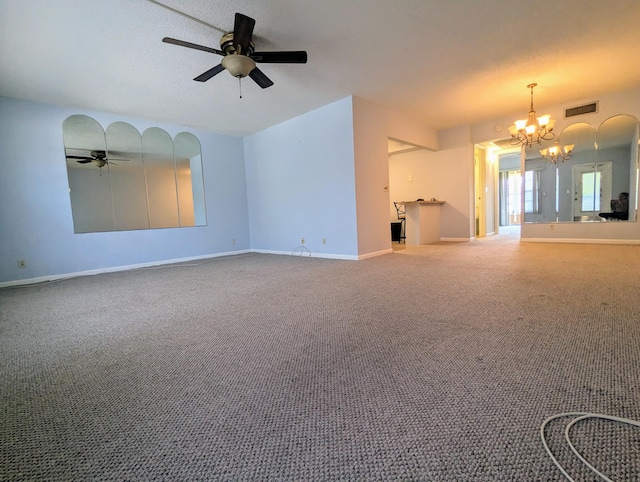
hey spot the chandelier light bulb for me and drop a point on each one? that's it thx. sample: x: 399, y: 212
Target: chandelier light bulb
x: 544, y: 120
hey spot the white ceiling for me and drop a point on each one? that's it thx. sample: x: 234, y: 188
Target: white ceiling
x: 444, y: 62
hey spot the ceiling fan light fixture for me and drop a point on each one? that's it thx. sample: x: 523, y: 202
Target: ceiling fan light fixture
x: 239, y: 56
x: 238, y: 65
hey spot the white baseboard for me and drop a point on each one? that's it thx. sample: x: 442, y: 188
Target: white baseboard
x: 457, y: 239
x: 580, y: 241
x: 304, y: 251
x: 114, y: 269
x: 375, y: 253
x: 298, y: 251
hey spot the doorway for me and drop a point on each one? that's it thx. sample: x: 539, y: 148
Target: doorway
x: 592, y: 190
x: 479, y: 162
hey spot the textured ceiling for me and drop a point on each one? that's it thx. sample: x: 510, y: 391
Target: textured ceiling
x: 446, y: 63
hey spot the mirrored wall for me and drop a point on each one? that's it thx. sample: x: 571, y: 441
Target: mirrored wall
x: 122, y: 180
x: 597, y: 182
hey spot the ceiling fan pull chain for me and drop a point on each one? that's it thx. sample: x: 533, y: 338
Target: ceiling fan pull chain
x: 240, y: 85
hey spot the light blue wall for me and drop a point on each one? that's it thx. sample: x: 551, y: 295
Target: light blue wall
x: 35, y: 209
x: 301, y: 183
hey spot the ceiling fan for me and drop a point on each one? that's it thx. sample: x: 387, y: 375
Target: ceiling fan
x: 239, y: 55
x: 99, y: 158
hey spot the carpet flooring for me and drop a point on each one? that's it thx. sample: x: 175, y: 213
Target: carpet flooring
x: 437, y: 362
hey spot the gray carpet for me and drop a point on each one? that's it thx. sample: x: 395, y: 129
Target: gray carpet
x: 438, y: 362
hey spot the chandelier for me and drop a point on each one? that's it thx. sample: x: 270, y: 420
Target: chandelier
x: 558, y: 153
x: 532, y: 130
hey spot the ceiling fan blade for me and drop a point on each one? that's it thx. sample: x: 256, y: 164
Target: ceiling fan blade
x: 242, y: 32
x: 259, y: 78
x: 203, y: 77
x: 189, y: 45
x: 79, y: 157
x: 85, y: 161
x: 291, y: 57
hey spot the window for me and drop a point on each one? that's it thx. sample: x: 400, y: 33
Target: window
x: 591, y: 182
x: 532, y: 191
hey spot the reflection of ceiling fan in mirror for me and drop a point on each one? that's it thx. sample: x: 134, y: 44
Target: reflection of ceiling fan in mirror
x: 239, y: 55
x: 99, y: 158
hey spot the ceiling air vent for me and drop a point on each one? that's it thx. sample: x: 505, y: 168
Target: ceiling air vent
x: 581, y: 109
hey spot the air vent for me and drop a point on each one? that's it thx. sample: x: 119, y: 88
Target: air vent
x: 581, y: 109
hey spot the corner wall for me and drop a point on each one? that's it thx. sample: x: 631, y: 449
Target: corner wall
x: 372, y: 126
x: 301, y: 183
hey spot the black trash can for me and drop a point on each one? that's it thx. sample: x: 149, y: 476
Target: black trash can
x: 396, y: 231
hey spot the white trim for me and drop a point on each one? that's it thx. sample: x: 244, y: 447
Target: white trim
x: 580, y: 241
x: 375, y: 253
x: 308, y: 254
x: 458, y: 239
x: 113, y: 269
x: 58, y: 277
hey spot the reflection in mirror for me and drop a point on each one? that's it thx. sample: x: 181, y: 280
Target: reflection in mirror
x: 604, y: 163
x: 579, y: 187
x: 127, y: 177
x: 161, y: 178
x: 120, y: 180
x: 88, y: 174
x: 189, y: 177
x: 549, y: 191
x: 618, y: 147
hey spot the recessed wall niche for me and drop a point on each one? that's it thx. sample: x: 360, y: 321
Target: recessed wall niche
x: 121, y: 180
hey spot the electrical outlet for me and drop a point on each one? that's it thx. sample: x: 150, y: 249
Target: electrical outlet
x: 22, y: 263
x: 233, y: 241
x: 302, y: 240
x: 324, y: 240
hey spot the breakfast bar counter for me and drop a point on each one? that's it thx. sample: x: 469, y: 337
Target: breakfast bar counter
x: 422, y: 225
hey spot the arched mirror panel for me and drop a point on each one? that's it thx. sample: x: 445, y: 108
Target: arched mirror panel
x: 592, y: 174
x: 88, y: 174
x: 126, y: 170
x: 121, y: 180
x: 618, y: 146
x: 161, y: 178
x: 189, y: 179
x: 578, y: 187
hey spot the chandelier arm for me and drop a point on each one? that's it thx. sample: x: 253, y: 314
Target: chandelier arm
x: 546, y: 135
